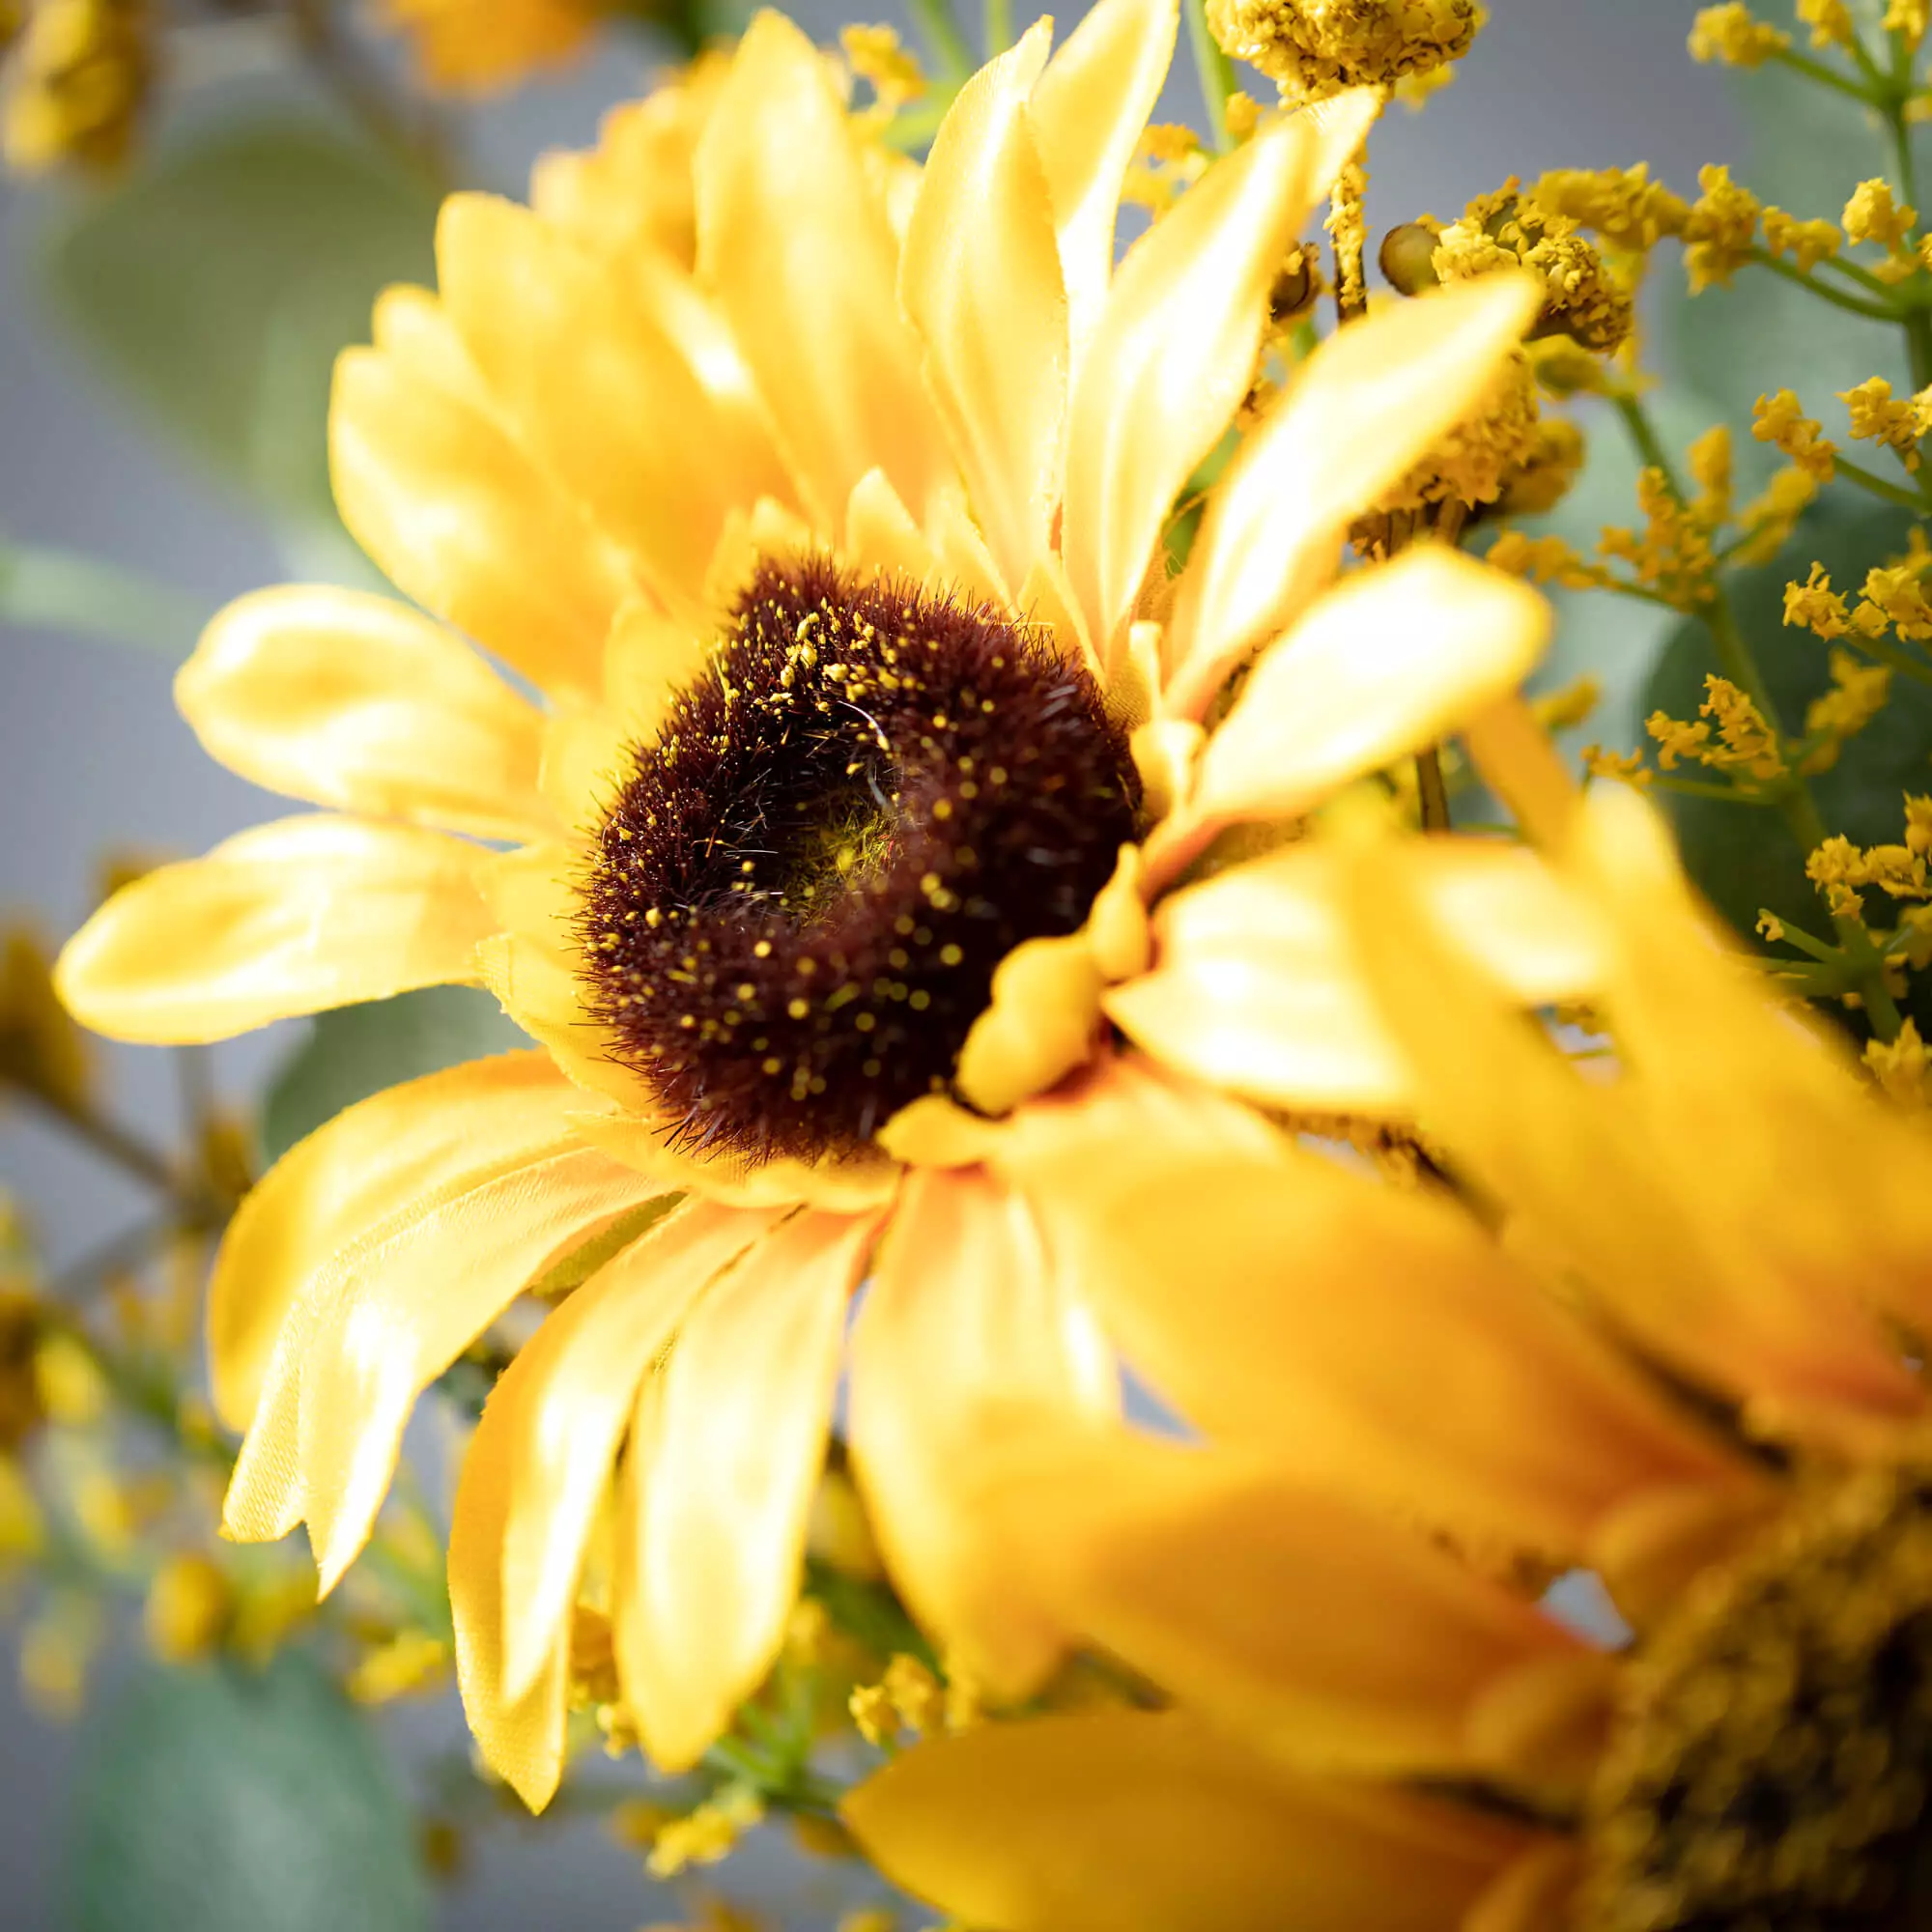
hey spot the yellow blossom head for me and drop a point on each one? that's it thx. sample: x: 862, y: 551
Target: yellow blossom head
x: 1313, y: 48
x: 484, y: 46
x: 1732, y: 34
x: 80, y: 81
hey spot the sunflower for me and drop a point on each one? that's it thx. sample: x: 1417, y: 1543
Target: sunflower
x: 1677, y: 1348
x: 482, y: 46
x: 869, y: 729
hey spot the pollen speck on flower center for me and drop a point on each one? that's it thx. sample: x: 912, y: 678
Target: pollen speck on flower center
x: 802, y: 889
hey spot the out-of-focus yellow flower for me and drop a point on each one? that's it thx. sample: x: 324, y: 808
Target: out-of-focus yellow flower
x: 1314, y: 48
x: 23, y: 1527
x: 71, y: 1387
x: 77, y: 84
x: 1830, y: 21
x: 483, y: 46
x: 715, y: 519
x: 57, y: 1649
x: 707, y: 1835
x: 1808, y: 243
x: 1875, y: 214
x: 1732, y: 34
x: 188, y: 1607
x: 409, y: 1665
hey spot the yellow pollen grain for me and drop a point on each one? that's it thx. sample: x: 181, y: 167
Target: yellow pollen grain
x: 772, y: 1066
x: 763, y: 951
x: 798, y: 1008
x: 941, y: 808
x: 865, y: 1022
x: 746, y: 990
x: 919, y: 1000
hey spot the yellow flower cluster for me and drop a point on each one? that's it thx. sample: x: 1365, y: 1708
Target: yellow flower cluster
x: 81, y: 77
x: 1878, y: 417
x: 1623, y: 204
x: 482, y: 46
x: 1744, y: 741
x: 1781, y: 421
x: 1732, y: 34
x: 1313, y: 48
x: 1673, y: 557
x: 1842, y: 871
x: 1168, y: 162
x: 877, y: 56
x: 1830, y: 21
x: 1893, y: 600
x: 1902, y: 1069
x: 1909, y: 17
x: 1721, y: 229
x: 1807, y: 242
x: 1858, y: 695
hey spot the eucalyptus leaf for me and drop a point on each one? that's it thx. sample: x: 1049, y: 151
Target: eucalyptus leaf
x: 231, y: 1801
x: 1744, y: 857
x: 218, y: 282
x: 357, y: 1051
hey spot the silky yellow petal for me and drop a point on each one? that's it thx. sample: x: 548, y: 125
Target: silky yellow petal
x: 289, y: 917
x: 399, y: 1307
x: 648, y: 659
x: 355, y: 701
x: 966, y: 566
x: 799, y: 255
x: 964, y: 1309
x: 1088, y: 109
x: 1255, y: 987
x: 739, y: 1443
x: 1518, y: 762
x: 602, y: 393
x: 355, y: 1172
x: 583, y: 762
x: 881, y: 536
x: 460, y: 518
x: 412, y: 330
x: 1172, y: 360
x: 1047, y: 603
x: 1041, y: 1025
x: 1387, y: 663
x: 1314, y: 1630
x: 1366, y: 406
x: 521, y: 1739
x: 1129, y: 1821
x: 580, y: 1374
x: 979, y: 279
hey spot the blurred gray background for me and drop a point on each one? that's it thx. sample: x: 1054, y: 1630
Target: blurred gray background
x: 94, y: 758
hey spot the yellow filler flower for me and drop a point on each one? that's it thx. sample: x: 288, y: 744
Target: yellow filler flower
x: 1679, y: 1346
x: 483, y: 46
x: 871, y: 727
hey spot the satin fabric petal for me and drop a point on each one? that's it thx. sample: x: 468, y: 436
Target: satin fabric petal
x: 1376, y: 1342
x: 1171, y: 360
x: 742, y: 1418
x: 1089, y: 110
x: 350, y: 701
x: 1256, y: 987
x: 523, y: 1739
x: 1391, y: 660
x: 583, y: 1371
x: 286, y: 918
x: 964, y: 1309
x: 411, y: 331
x: 797, y: 253
x: 601, y: 393
x: 1128, y: 1821
x: 881, y: 536
x: 979, y: 279
x: 1326, y: 1636
x: 1578, y: 1161
x: 1366, y: 406
x: 460, y: 518
x: 367, y: 1164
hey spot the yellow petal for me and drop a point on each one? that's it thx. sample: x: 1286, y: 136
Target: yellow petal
x: 738, y: 1445
x: 1255, y: 986
x: 1087, y: 112
x: 1316, y: 1631
x: 521, y: 1739
x: 799, y: 255
x: 460, y: 518
x: 966, y: 565
x: 1126, y: 1821
x: 1041, y: 1025
x: 881, y: 536
x: 1389, y: 662
x: 412, y: 330
x: 603, y: 393
x: 1522, y: 766
x: 398, y: 1308
x: 1366, y: 406
x: 1375, y: 1341
x: 979, y: 279
x: 964, y: 1308
x: 289, y: 917
x: 647, y: 661
x: 355, y: 701
x: 358, y: 1170
x: 1171, y: 360
x: 580, y: 1373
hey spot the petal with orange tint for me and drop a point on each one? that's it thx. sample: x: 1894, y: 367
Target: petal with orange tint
x: 796, y: 251
x: 601, y: 393
x: 461, y: 519
x: 1332, y: 1638
x: 1179, y: 336
x: 355, y: 701
x: 1366, y: 406
x: 1387, y: 663
x: 881, y: 536
x: 738, y: 1443
x: 1088, y: 109
x: 578, y: 1376
x: 355, y: 1172
x: 286, y: 918
x: 1143, y: 1822
x: 979, y: 279
x: 965, y: 1308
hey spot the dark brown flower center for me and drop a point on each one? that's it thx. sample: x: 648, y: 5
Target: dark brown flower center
x: 801, y: 891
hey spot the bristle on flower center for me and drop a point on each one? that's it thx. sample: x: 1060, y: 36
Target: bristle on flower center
x: 802, y: 889
x: 1772, y: 1771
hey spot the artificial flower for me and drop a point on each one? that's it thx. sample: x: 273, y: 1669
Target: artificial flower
x: 869, y: 729
x: 1673, y: 1347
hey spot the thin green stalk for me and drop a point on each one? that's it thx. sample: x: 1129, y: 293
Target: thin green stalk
x: 1216, y: 73
x: 1863, y: 276
x: 1917, y: 321
x: 1823, y: 75
x: 69, y: 591
x: 1838, y: 298
x: 1878, y: 486
x: 1796, y: 935
x: 998, y: 20
x: 1889, y: 654
x: 1797, y: 805
x: 1723, y: 794
x: 949, y: 45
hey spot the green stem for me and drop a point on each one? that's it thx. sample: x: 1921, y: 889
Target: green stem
x: 1823, y: 75
x: 1811, y: 285
x: 68, y: 590
x: 1878, y: 486
x: 1216, y: 73
x: 999, y: 18
x: 1863, y: 276
x: 1723, y: 794
x: 949, y: 45
x: 1798, y: 806
x: 1889, y: 654
x: 1916, y: 321
x: 115, y: 1144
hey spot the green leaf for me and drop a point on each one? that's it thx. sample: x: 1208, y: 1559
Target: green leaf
x: 228, y: 1801
x: 1744, y: 857
x: 218, y: 282
x: 357, y: 1051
